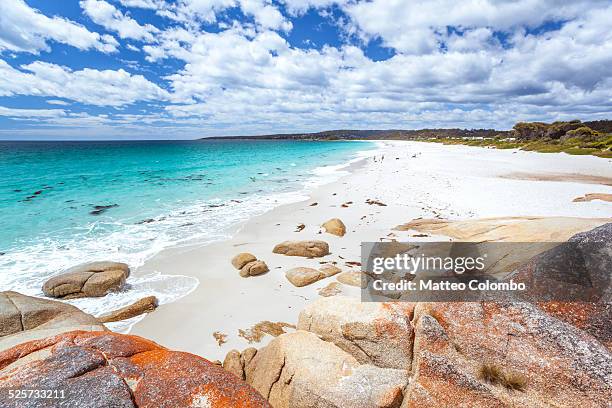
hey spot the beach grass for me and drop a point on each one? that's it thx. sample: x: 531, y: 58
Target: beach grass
x: 600, y: 147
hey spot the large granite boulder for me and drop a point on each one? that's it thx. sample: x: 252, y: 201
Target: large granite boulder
x: 105, y: 369
x: 504, y: 354
x: 94, y: 279
x: 24, y: 318
x: 299, y: 370
x: 577, y: 270
x: 372, y: 332
x: 308, y: 249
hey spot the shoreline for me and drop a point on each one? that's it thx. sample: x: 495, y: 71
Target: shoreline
x: 435, y: 181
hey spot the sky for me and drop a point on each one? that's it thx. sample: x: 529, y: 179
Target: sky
x: 182, y: 69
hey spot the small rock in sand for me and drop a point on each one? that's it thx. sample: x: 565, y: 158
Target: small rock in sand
x: 375, y: 202
x: 242, y: 259
x: 335, y: 226
x: 329, y: 270
x: 352, y: 278
x: 254, y: 268
x: 308, y: 249
x: 303, y: 276
x: 330, y: 290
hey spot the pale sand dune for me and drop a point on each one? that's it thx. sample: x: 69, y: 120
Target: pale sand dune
x: 414, y: 180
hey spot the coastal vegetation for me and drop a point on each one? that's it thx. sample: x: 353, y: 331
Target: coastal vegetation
x: 572, y: 137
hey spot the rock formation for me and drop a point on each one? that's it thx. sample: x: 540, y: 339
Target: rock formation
x: 93, y: 279
x: 308, y: 249
x: 105, y: 369
x: 24, y: 318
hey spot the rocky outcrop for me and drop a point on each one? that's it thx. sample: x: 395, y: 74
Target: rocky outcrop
x: 93, y: 279
x: 576, y: 276
x: 308, y: 249
x: 105, y: 369
x: 335, y: 226
x: 249, y: 265
x: 372, y: 332
x: 142, y: 306
x: 299, y: 370
x: 551, y: 362
x: 24, y: 318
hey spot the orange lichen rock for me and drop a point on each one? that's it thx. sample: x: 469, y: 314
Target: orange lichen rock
x: 110, y: 369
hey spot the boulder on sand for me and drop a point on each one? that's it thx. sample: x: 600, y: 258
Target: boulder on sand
x: 254, y: 268
x: 308, y: 249
x: 248, y: 265
x: 299, y: 370
x: 94, y: 279
x: 303, y: 276
x: 105, y: 369
x: 144, y: 305
x: 24, y: 318
x: 242, y: 259
x: 335, y: 226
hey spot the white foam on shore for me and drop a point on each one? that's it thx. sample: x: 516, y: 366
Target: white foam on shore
x: 25, y: 270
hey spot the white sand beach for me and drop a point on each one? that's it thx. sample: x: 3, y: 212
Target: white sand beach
x: 413, y: 179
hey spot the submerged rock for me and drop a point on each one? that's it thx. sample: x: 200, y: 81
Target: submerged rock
x: 105, y: 369
x: 94, y: 279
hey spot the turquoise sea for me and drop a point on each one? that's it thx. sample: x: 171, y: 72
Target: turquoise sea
x: 64, y: 203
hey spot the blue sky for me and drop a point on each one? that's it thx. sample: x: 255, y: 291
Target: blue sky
x: 161, y: 69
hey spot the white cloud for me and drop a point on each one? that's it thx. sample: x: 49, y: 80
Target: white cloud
x: 106, y: 15
x: 145, y: 4
x: 24, y: 29
x: 57, y: 102
x: 31, y: 113
x: 91, y: 86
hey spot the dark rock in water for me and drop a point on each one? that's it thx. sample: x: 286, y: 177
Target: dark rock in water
x: 17, y: 191
x: 105, y: 369
x: 99, y: 209
x: 146, y: 221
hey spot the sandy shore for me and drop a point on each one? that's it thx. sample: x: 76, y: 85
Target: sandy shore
x: 413, y: 179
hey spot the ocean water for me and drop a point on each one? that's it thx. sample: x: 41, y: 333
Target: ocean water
x: 65, y: 203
